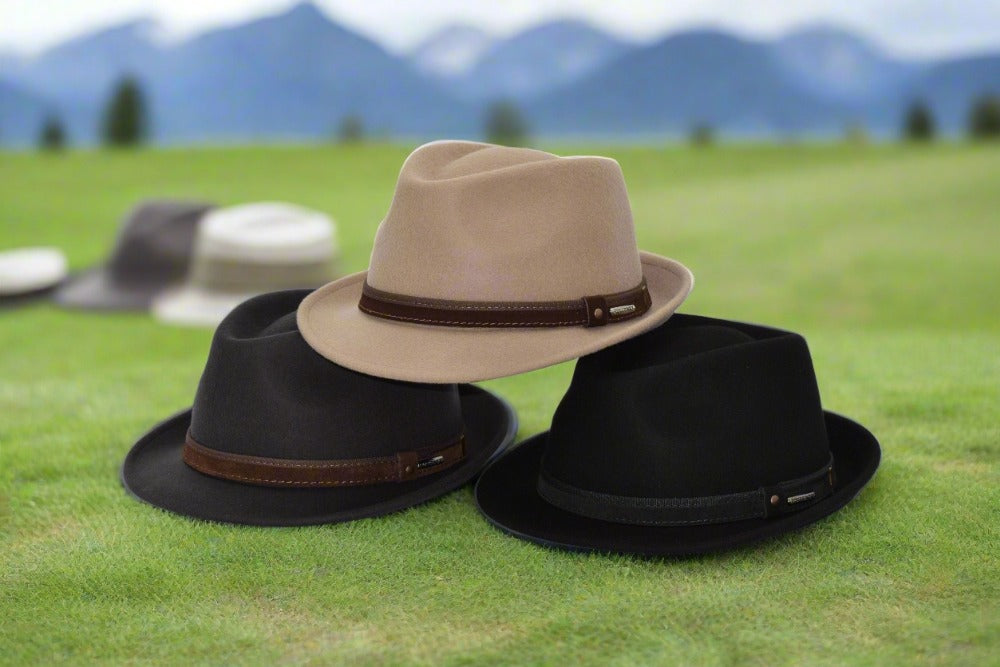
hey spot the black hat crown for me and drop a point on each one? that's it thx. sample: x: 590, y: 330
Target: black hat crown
x: 279, y: 436
x: 698, y: 421
x: 268, y: 404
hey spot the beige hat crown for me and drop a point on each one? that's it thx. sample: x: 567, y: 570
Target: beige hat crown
x: 478, y: 222
x: 493, y: 261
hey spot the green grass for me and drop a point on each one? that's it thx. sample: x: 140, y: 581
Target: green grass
x: 886, y: 258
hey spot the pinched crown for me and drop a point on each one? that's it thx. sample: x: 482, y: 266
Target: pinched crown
x: 477, y: 222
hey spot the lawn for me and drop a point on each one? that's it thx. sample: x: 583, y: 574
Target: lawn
x: 886, y: 258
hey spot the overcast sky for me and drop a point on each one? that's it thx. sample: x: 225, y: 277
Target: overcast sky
x: 912, y: 27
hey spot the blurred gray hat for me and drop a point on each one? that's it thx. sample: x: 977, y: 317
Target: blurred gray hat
x: 152, y: 253
x: 243, y: 251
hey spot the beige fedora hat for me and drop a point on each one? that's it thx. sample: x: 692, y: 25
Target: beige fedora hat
x: 494, y: 261
x: 242, y: 251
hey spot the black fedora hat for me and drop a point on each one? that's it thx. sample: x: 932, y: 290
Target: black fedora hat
x: 279, y: 436
x: 702, y: 435
x: 152, y: 252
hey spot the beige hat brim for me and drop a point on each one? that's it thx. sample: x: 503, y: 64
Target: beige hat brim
x: 195, y: 307
x: 332, y: 324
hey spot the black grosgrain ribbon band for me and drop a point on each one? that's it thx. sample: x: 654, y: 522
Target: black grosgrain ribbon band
x: 779, y: 499
x: 588, y: 311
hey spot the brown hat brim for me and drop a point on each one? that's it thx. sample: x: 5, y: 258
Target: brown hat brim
x: 332, y: 324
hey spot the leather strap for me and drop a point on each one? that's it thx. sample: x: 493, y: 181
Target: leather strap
x: 782, y: 498
x: 262, y: 471
x: 589, y: 311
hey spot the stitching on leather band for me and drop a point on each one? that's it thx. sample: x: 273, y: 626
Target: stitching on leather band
x: 265, y: 471
x: 587, y: 311
x: 648, y: 511
x: 460, y: 323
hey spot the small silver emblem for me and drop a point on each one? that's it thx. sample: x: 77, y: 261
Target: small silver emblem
x: 801, y: 497
x: 622, y: 310
x: 427, y: 463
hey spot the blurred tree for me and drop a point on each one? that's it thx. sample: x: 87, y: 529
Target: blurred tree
x: 351, y: 129
x: 984, y: 118
x: 918, y: 123
x: 505, y: 125
x: 53, y: 136
x: 702, y: 134
x: 124, y: 122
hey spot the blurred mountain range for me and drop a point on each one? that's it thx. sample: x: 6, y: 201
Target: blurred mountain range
x: 451, y: 50
x: 532, y: 62
x: 297, y: 74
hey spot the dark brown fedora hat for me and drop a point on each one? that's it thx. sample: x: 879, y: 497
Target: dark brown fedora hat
x: 279, y: 436
x: 153, y: 250
x: 699, y: 436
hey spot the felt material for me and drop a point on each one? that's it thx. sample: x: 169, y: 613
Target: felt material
x: 699, y: 407
x: 483, y: 223
x: 152, y: 253
x: 427, y: 353
x: 241, y: 251
x: 264, y: 392
x: 741, y: 413
x: 507, y: 495
x: 505, y: 224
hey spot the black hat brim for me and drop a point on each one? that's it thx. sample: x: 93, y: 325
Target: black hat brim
x: 507, y: 496
x: 155, y: 473
x: 94, y: 289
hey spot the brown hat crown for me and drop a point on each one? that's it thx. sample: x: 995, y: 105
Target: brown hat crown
x: 478, y: 222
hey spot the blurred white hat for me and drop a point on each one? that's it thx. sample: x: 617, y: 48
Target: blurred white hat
x: 242, y: 251
x: 25, y: 271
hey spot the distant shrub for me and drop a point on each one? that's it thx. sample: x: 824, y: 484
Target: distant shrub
x: 918, y: 123
x: 505, y: 125
x: 52, y: 136
x: 351, y: 129
x: 984, y: 118
x: 125, y: 120
x: 702, y: 134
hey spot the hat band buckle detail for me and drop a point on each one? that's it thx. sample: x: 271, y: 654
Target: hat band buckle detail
x: 588, y: 311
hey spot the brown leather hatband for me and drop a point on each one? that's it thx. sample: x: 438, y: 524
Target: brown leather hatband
x: 262, y: 471
x: 589, y: 311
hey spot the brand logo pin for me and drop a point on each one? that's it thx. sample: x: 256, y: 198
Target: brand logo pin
x: 622, y: 310
x: 800, y: 498
x: 427, y: 463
